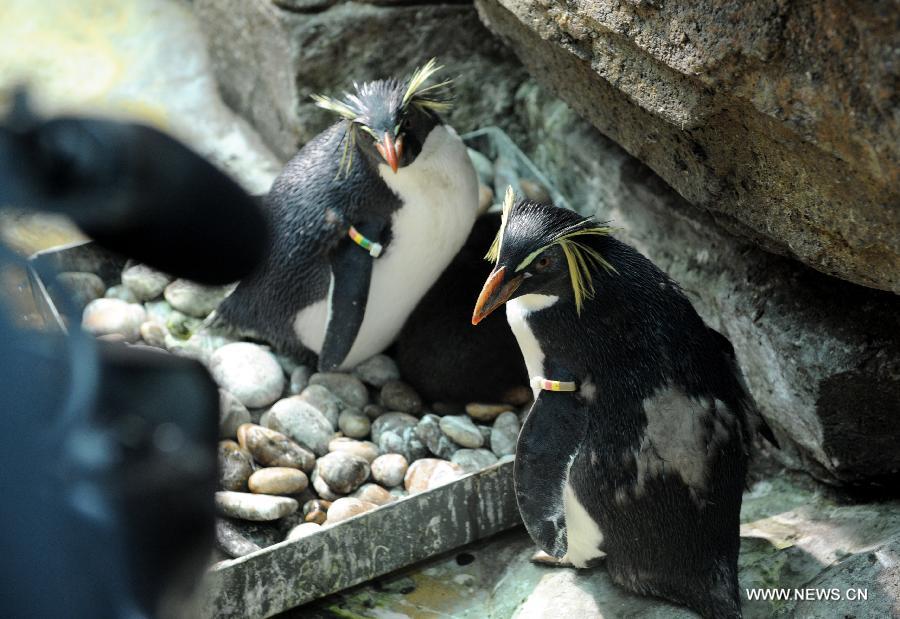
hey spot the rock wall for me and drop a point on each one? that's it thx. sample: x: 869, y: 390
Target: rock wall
x: 822, y: 356
x: 779, y: 118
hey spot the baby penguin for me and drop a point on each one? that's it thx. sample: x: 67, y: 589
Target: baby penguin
x: 637, y: 444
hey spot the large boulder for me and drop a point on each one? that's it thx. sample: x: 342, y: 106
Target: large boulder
x: 779, y: 118
x: 269, y: 58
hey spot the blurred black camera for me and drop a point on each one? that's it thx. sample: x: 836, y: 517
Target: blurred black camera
x: 108, y: 451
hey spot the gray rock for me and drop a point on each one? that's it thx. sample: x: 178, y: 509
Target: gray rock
x: 232, y: 414
x: 144, y: 282
x: 392, y: 422
x: 103, y: 317
x: 377, y: 371
x: 300, y: 421
x: 398, y: 396
x: 373, y: 493
x: 354, y: 423
x: 194, y: 299
x: 200, y: 345
x: 429, y: 432
x: 374, y: 411
x: 81, y: 287
x: 154, y: 334
x: 389, y: 469
x: 323, y: 490
x: 347, y: 507
x: 303, y: 530
x: 364, y: 449
x: 231, y: 540
x: 271, y: 448
x: 287, y: 363
x: 462, y: 430
x: 235, y: 466
x: 348, y: 388
x: 674, y: 80
x: 320, y: 398
x: 343, y: 471
x: 299, y: 379
x: 486, y: 435
x: 505, y: 434
x: 325, y: 51
x: 122, y: 293
x: 160, y: 311
x: 392, y: 442
x: 413, y: 449
x: 249, y: 372
x: 257, y: 507
x: 473, y: 460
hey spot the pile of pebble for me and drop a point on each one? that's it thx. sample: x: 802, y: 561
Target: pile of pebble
x: 299, y: 450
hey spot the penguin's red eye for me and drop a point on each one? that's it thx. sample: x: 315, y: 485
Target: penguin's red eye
x: 542, y: 263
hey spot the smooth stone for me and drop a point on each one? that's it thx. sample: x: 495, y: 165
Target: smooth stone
x: 348, y: 388
x: 535, y: 191
x: 271, y: 448
x: 160, y: 311
x: 353, y: 423
x: 374, y: 411
x: 429, y: 473
x: 231, y: 540
x: 364, y: 449
x: 122, y: 293
x: 484, y: 167
x: 347, y: 507
x: 302, y: 422
x: 321, y: 486
x: 194, y: 299
x: 398, y: 396
x: 392, y: 422
x: 114, y: 317
x: 485, y: 197
x: 260, y: 533
x: 232, y: 414
x: 505, y: 434
x: 486, y: 412
x: 325, y: 402
x: 277, y: 480
x: 373, y: 493
x: 182, y: 326
x: 377, y: 371
x: 82, y: 287
x: 200, y: 345
x: 256, y: 507
x: 473, y: 460
x: 316, y: 517
x: 342, y: 471
x: 462, y: 430
x: 249, y: 372
x: 389, y: 469
x: 235, y: 466
x: 288, y: 364
x: 406, y: 443
x: 429, y: 432
x: 144, y: 282
x: 303, y: 530
x: 507, y: 458
x: 399, y: 492
x: 315, y: 504
x: 299, y: 379
x: 154, y: 334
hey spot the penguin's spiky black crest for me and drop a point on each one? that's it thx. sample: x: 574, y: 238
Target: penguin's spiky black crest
x: 528, y: 228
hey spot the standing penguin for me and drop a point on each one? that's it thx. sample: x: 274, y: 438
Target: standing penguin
x: 364, y: 219
x: 637, y: 444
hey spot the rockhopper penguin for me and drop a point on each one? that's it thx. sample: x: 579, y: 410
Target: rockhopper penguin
x: 364, y: 218
x: 637, y: 444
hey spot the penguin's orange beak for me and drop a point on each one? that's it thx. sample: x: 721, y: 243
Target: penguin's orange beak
x: 390, y: 150
x: 495, y: 293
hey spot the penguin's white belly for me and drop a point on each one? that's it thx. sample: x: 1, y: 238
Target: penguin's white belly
x: 583, y: 535
x: 517, y: 312
x: 439, y: 194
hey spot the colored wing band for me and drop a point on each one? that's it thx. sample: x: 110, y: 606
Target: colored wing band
x: 539, y: 382
x: 369, y: 245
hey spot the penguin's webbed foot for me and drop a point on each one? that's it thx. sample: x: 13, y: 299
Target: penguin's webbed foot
x: 542, y: 558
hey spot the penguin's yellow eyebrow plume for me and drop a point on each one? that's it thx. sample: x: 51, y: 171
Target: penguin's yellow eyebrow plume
x: 433, y: 97
x: 493, y: 252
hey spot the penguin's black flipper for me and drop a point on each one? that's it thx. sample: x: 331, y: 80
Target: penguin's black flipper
x: 351, y: 267
x: 548, y: 443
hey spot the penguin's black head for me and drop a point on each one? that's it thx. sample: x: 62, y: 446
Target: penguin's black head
x: 541, y: 249
x: 388, y: 120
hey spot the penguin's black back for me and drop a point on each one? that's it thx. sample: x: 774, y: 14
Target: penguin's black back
x: 310, y: 206
x: 641, y: 346
x: 441, y: 354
